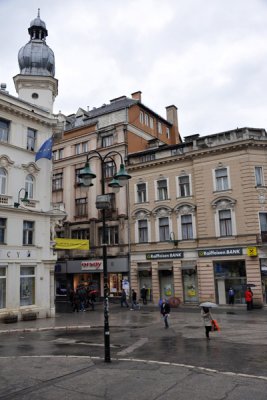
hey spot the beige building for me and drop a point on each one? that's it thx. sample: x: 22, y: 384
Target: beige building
x: 198, y: 218
x: 122, y: 126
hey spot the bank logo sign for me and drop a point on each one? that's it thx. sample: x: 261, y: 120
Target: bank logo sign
x: 220, y: 252
x: 169, y: 254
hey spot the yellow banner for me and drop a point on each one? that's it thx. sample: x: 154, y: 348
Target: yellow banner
x: 71, y: 244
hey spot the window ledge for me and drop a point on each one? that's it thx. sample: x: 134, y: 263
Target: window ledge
x: 222, y: 191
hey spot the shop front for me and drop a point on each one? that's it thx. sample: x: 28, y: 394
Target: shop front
x: 165, y: 271
x: 263, y: 266
x: 190, y: 282
x: 145, y: 279
x: 229, y: 268
x: 89, y: 273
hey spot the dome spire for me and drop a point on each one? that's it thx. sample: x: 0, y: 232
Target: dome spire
x: 37, y: 29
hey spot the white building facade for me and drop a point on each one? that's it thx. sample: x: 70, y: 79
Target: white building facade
x: 26, y: 258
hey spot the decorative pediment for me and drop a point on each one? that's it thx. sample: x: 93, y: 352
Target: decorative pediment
x: 31, y: 168
x: 185, y: 208
x: 223, y: 203
x: 5, y: 161
x: 161, y: 212
x: 141, y: 214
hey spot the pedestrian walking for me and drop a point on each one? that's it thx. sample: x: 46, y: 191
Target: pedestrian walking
x: 249, y: 298
x: 76, y: 302
x: 144, y: 294
x: 165, y: 312
x: 124, y: 299
x: 207, y: 319
x: 134, y: 303
x: 231, y: 296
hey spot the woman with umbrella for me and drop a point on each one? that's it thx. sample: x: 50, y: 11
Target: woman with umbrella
x: 207, y: 317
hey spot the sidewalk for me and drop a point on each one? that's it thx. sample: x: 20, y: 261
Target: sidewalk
x: 88, y: 319
x: 52, y: 377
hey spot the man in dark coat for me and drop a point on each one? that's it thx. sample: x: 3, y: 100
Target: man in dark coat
x: 165, y: 311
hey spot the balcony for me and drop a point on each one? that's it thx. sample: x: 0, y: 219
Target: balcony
x: 110, y: 214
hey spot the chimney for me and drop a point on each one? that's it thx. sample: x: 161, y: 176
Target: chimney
x: 172, y: 117
x: 137, y: 96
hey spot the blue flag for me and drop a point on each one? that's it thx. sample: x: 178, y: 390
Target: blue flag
x: 45, y: 150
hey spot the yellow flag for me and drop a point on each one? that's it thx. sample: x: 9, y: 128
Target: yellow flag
x: 71, y: 244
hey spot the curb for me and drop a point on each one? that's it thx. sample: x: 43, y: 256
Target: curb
x: 55, y: 328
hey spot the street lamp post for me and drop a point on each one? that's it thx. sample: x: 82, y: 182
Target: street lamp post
x: 120, y: 179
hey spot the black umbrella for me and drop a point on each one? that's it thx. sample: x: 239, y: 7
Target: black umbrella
x: 249, y: 285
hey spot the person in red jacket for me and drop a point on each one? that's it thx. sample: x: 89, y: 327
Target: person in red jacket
x: 249, y: 298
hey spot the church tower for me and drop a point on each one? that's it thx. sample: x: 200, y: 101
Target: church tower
x: 36, y: 83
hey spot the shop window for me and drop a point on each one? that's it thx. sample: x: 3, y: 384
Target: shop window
x: 28, y: 232
x: 184, y: 185
x: 187, y: 227
x: 164, y: 230
x: 162, y: 189
x: 27, y: 286
x: 225, y: 222
x: 31, y: 139
x: 259, y: 176
x: 3, y: 181
x: 2, y: 287
x: 3, y: 222
x: 221, y: 179
x: 141, y: 192
x: 142, y: 231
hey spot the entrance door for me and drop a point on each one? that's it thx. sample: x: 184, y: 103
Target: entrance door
x: 190, y: 285
x: 166, y: 284
x: 145, y: 280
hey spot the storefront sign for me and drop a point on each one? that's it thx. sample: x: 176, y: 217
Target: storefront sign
x: 160, y: 256
x: 220, y: 252
x: 252, y: 251
x: 92, y: 265
x: 17, y: 254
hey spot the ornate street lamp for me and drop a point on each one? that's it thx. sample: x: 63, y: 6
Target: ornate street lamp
x: 102, y: 203
x: 25, y: 199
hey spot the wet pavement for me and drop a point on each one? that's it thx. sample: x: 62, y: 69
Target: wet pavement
x: 46, y: 355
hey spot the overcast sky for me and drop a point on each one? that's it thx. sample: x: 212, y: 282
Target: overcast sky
x: 208, y: 57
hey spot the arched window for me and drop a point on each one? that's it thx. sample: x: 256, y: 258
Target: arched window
x: 29, y: 183
x: 3, y: 181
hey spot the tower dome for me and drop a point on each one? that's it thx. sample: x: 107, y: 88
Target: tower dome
x: 36, y: 58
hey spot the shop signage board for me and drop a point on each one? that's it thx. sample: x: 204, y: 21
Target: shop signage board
x: 17, y: 254
x: 252, y: 251
x: 92, y: 265
x: 163, y: 256
x: 220, y: 252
